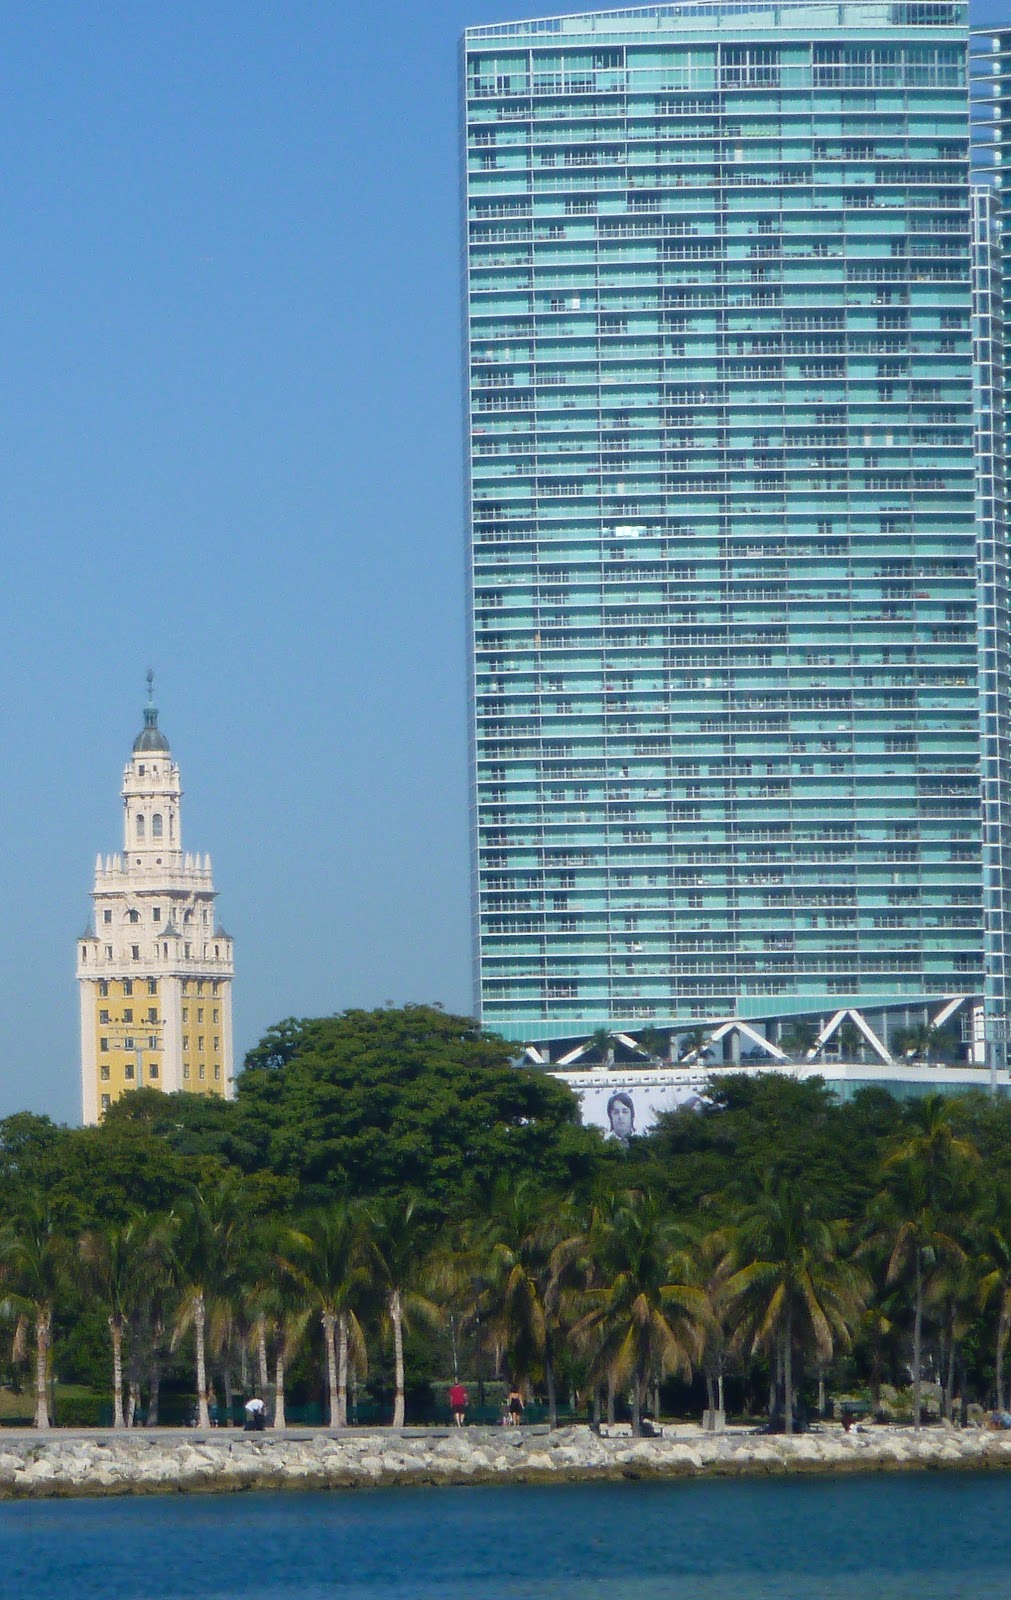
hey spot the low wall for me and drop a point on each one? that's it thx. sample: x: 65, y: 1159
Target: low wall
x: 65, y: 1464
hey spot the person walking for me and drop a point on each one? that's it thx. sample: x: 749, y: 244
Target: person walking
x: 459, y: 1400
x: 515, y: 1407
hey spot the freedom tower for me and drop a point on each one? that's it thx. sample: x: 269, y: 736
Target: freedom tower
x: 739, y: 648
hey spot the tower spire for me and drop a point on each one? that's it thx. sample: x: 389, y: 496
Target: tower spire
x: 150, y: 737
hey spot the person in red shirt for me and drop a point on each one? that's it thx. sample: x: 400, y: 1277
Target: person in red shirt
x: 459, y: 1400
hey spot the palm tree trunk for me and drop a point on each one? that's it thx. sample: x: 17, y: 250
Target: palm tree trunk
x: 876, y: 1371
x: 788, y: 1370
x: 43, y: 1322
x: 279, y: 1418
x: 116, y: 1329
x: 199, y: 1319
x: 552, y: 1388
x: 917, y: 1342
x: 133, y: 1403
x: 610, y: 1397
x: 331, y: 1368
x: 549, y: 1379
x: 342, y: 1370
x: 719, y: 1391
x: 1002, y: 1333
x: 479, y: 1359
x: 229, y: 1393
x: 595, y: 1413
x: 154, y: 1392
x: 397, y: 1319
x: 949, y: 1387
x: 636, y: 1407
x: 261, y: 1352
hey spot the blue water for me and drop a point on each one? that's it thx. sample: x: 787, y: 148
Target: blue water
x: 879, y: 1538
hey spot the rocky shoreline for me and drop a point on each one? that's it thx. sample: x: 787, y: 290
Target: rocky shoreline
x: 63, y: 1465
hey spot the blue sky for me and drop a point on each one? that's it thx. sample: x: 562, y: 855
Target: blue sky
x: 230, y: 447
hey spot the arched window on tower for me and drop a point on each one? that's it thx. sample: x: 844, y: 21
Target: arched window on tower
x: 140, y: 827
x: 156, y: 825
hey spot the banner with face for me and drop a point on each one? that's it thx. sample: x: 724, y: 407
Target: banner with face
x: 627, y: 1106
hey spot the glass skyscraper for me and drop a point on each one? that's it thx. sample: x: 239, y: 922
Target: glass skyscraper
x: 734, y: 285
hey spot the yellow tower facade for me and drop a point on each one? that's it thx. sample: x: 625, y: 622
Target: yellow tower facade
x: 155, y: 970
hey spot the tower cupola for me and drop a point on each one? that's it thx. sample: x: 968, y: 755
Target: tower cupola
x: 150, y: 739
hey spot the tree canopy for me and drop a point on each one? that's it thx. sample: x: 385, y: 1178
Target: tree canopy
x: 382, y: 1102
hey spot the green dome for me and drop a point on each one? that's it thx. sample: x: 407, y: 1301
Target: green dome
x: 150, y: 738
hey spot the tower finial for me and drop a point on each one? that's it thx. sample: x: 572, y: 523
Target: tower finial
x: 150, y: 710
x: 150, y: 737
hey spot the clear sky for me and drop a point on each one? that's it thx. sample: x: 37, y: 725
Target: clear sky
x: 230, y: 447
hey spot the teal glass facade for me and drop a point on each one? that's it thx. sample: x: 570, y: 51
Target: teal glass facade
x: 724, y: 432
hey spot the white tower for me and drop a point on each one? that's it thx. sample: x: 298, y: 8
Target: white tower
x: 155, y: 972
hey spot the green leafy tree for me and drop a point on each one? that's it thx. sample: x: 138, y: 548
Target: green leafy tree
x: 392, y: 1102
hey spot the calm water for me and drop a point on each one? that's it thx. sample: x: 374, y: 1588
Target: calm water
x: 879, y: 1538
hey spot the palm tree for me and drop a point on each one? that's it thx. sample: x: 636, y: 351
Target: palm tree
x: 521, y: 1288
x: 280, y: 1318
x: 694, y: 1046
x: 657, y: 1045
x: 925, y: 1041
x: 851, y: 1040
x: 326, y: 1258
x: 954, y: 1289
x: 397, y: 1248
x: 926, y: 1175
x: 649, y: 1314
x: 788, y: 1284
x: 799, y: 1037
x: 262, y: 1293
x: 994, y: 1267
x: 209, y: 1236
x: 600, y: 1046
x: 115, y: 1259
x: 35, y: 1260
